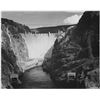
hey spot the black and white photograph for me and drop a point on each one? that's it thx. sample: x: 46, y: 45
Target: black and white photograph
x: 50, y: 50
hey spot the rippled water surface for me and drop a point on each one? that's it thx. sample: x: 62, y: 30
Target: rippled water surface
x: 36, y: 78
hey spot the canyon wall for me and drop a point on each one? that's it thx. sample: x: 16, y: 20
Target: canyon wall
x: 74, y: 62
x: 14, y: 52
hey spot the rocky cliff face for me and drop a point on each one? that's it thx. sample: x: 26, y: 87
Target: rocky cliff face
x: 75, y: 56
x: 14, y: 52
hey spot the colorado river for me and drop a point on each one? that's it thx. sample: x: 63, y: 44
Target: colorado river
x: 36, y: 78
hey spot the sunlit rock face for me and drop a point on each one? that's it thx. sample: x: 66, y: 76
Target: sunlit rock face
x: 20, y: 50
x: 74, y: 62
x: 14, y: 52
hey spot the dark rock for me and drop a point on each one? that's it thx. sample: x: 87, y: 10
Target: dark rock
x: 76, y: 55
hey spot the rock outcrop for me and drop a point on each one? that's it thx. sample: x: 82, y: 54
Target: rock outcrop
x: 13, y: 52
x: 75, y: 57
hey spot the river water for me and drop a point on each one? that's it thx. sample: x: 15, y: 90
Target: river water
x: 36, y: 78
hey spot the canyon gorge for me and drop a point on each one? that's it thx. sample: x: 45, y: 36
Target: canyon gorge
x: 65, y: 56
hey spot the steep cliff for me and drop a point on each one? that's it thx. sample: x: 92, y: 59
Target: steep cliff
x: 14, y: 52
x: 75, y: 56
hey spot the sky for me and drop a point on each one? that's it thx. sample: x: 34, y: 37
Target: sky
x: 42, y: 19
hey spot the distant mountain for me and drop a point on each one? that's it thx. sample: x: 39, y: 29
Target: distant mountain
x: 51, y: 29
